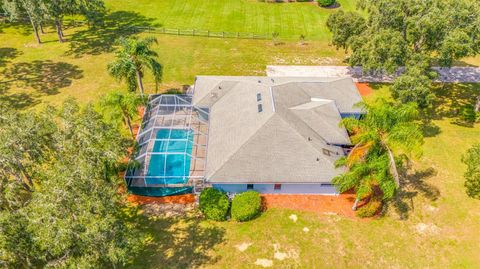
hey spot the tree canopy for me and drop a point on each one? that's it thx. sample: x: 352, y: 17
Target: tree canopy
x: 42, y: 11
x: 133, y: 59
x: 32, y: 9
x: 414, y: 34
x: 472, y: 175
x: 69, y: 214
x: 386, y: 131
x: 121, y: 107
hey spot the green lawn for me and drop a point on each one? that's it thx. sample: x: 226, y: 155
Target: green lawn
x: 289, y: 20
x: 32, y: 75
x: 433, y: 224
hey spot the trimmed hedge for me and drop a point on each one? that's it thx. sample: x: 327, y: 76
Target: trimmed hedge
x: 325, y: 3
x: 214, y: 204
x: 246, y: 206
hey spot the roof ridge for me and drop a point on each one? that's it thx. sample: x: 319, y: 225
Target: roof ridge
x: 227, y: 158
x: 295, y: 129
x: 323, y: 119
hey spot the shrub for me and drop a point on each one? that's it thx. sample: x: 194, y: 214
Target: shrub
x: 214, y: 204
x: 246, y: 206
x: 468, y: 114
x: 370, y: 209
x: 325, y: 3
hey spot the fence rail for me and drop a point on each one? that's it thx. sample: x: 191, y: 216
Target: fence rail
x: 204, y: 33
x: 175, y: 31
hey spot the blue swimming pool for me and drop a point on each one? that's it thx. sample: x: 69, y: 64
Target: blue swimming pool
x: 172, y: 166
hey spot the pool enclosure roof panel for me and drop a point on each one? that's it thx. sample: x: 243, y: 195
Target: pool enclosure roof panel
x: 171, y: 143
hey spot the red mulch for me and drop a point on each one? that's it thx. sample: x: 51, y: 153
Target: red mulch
x: 364, y: 89
x: 341, y: 204
x: 176, y: 199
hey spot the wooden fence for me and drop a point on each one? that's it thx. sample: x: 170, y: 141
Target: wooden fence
x: 175, y: 31
x: 204, y: 33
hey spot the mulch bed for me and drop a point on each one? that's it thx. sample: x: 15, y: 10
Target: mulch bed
x: 323, y: 204
x: 364, y: 89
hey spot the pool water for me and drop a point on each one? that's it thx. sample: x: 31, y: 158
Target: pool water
x: 173, y: 166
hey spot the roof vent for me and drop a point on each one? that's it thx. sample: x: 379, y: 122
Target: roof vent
x: 259, y: 81
x: 326, y: 152
x: 259, y: 97
x: 260, y: 108
x: 309, y: 138
x: 273, y: 80
x: 219, y: 87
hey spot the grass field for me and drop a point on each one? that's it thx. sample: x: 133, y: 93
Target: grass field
x: 433, y: 224
x: 32, y: 75
x: 290, y: 20
x: 48, y: 73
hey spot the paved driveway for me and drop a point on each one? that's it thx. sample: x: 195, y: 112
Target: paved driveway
x: 453, y: 74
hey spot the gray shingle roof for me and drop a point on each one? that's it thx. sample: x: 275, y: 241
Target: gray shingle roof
x: 292, y: 139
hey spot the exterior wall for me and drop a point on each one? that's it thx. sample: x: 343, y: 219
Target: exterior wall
x: 351, y: 115
x: 286, y: 188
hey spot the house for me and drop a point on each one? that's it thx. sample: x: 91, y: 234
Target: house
x: 271, y: 135
x: 276, y: 135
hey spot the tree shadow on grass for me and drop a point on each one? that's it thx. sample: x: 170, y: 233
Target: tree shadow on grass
x: 16, y: 101
x: 6, y: 54
x: 23, y: 27
x: 179, y: 243
x: 451, y: 98
x: 46, y: 77
x: 413, y: 183
x: 101, y: 37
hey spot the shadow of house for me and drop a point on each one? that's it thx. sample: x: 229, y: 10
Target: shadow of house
x: 101, y: 37
x: 180, y: 243
x: 46, y: 77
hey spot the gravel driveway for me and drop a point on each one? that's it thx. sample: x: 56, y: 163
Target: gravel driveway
x: 453, y: 74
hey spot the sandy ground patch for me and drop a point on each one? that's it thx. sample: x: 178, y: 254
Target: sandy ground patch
x: 279, y: 255
x: 243, y: 246
x: 293, y: 217
x: 427, y: 229
x: 264, y: 262
x: 431, y: 208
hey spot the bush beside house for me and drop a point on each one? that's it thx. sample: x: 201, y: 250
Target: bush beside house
x: 246, y: 206
x: 325, y: 3
x: 370, y: 209
x: 214, y: 204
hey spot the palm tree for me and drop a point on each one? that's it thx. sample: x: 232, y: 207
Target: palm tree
x: 121, y: 107
x: 385, y: 129
x: 134, y: 56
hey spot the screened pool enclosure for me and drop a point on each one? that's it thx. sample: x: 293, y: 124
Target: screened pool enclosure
x: 172, y: 146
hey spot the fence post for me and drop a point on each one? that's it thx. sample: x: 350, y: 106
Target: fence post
x: 178, y: 31
x: 223, y: 34
x: 193, y: 32
x: 238, y: 34
x: 208, y: 33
